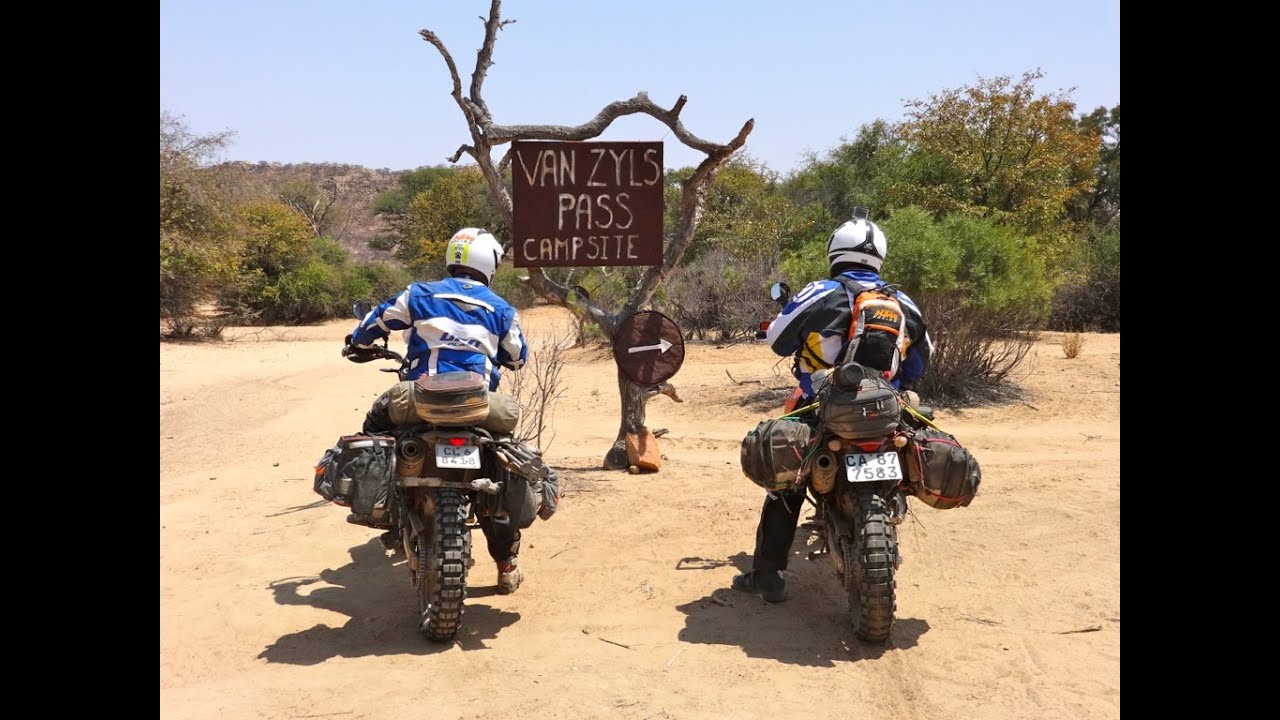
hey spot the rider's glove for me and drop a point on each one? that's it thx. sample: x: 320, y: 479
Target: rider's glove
x: 357, y: 354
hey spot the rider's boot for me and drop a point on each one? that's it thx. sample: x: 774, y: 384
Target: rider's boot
x: 509, y: 576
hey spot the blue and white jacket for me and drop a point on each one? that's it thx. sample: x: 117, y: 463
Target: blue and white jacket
x: 814, y: 326
x: 453, y: 324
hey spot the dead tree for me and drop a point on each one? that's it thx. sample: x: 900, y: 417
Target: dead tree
x: 486, y: 135
x: 316, y: 203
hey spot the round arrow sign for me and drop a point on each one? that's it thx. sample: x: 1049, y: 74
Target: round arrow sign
x: 648, y: 348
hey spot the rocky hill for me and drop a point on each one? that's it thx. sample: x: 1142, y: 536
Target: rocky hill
x: 357, y: 187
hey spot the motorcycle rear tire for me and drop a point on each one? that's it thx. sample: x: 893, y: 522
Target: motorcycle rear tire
x: 870, y: 562
x: 443, y: 558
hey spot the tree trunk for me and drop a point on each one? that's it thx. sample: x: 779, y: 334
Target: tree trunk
x: 633, y: 398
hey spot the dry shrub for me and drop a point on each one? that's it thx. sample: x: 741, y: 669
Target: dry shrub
x: 1072, y: 344
x: 538, y: 388
x: 720, y: 296
x: 977, y: 352
x: 193, y: 327
x: 1092, y: 304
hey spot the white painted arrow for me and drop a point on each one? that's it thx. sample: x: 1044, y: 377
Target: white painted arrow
x: 662, y: 346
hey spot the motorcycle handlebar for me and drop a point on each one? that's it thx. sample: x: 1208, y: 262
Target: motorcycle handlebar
x: 376, y: 352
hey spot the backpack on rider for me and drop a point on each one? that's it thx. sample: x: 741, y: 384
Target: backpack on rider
x: 878, y: 331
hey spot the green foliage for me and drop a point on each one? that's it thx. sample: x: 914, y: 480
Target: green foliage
x: 316, y: 282
x: 430, y: 205
x: 198, y: 251
x: 412, y: 183
x: 508, y: 285
x: 1000, y: 266
x: 981, y: 263
x: 975, y: 260
x: 282, y: 276
x: 866, y: 172
x: 276, y: 237
x: 747, y: 215
x: 1102, y: 205
x: 922, y: 258
x: 457, y: 199
x: 999, y: 149
x: 375, y: 281
x: 806, y: 264
x: 305, y: 293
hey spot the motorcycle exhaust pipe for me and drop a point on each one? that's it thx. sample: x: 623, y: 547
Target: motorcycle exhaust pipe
x: 411, y: 453
x: 825, y: 467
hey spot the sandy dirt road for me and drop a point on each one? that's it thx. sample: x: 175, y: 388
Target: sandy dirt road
x: 272, y: 606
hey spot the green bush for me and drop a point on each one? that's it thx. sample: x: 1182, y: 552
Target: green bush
x: 508, y: 285
x: 1090, y: 301
x: 807, y: 264
x: 974, y: 260
x: 374, y: 281
x: 922, y: 258
x: 317, y: 284
x: 978, y: 262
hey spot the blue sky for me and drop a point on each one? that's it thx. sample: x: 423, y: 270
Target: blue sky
x: 352, y: 82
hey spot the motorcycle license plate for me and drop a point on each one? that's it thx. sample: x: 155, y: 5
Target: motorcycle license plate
x: 873, y: 467
x: 457, y: 456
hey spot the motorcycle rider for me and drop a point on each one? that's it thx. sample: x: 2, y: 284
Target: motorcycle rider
x: 457, y: 323
x: 815, y: 327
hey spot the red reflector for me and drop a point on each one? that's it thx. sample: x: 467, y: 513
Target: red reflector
x: 457, y: 442
x: 765, y: 325
x: 869, y: 446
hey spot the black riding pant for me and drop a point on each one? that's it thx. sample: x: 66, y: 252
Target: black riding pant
x: 777, y: 530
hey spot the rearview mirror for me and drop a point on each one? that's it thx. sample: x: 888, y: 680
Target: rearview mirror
x: 780, y: 291
x: 360, y: 308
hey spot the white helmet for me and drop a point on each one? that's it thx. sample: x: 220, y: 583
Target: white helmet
x: 857, y: 241
x: 476, y: 250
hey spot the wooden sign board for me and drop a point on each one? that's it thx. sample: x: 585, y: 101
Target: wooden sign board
x: 584, y: 204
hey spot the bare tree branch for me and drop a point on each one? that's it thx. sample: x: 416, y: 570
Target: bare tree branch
x: 467, y: 110
x: 484, y: 60
x: 640, y: 104
x: 464, y: 148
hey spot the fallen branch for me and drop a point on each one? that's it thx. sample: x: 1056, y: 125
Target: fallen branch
x: 660, y: 432
x: 612, y: 642
x: 573, y: 547
x: 1092, y: 628
x: 741, y: 382
x: 673, y: 659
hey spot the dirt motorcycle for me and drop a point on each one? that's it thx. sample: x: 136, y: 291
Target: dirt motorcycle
x: 428, y: 484
x: 847, y: 445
